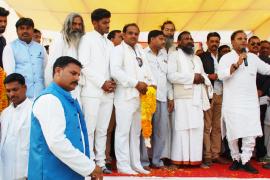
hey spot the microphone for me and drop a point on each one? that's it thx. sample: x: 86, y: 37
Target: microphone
x: 243, y: 50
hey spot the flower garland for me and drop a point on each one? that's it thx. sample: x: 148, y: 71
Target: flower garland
x: 148, y: 107
x: 3, y: 96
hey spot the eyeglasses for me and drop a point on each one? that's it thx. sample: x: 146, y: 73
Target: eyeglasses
x: 139, y: 60
x: 253, y: 44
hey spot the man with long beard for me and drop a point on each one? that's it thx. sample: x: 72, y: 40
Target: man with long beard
x: 168, y: 29
x: 185, y: 72
x: 66, y: 45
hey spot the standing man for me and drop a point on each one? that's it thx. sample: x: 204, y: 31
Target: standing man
x: 157, y: 59
x: 168, y: 29
x: 185, y: 72
x: 15, y: 130
x: 132, y: 73
x: 3, y: 24
x: 116, y: 37
x: 66, y: 44
x: 37, y: 36
x: 240, y: 107
x: 263, y: 86
x: 97, y: 90
x: 26, y: 57
x: 58, y: 142
x: 254, y: 44
x: 212, y: 117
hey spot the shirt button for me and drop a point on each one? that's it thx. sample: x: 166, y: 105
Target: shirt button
x: 81, y: 139
x: 78, y: 127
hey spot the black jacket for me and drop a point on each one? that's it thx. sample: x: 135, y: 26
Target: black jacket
x: 263, y: 81
x: 208, y: 63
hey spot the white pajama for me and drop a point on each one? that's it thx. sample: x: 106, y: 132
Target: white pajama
x: 97, y: 112
x: 127, y: 134
x: 247, y: 148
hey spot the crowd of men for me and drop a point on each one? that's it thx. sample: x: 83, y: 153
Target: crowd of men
x: 72, y: 110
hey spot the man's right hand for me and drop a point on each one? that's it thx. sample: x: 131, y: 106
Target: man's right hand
x: 97, y: 174
x: 109, y: 86
x: 213, y: 76
x: 141, y: 87
x: 198, y: 79
x: 242, y: 56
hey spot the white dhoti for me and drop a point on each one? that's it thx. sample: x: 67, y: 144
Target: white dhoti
x: 127, y: 134
x: 187, y: 134
x: 247, y: 148
x: 97, y: 112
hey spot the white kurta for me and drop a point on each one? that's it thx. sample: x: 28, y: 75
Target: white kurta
x: 15, y: 137
x: 61, y: 48
x: 240, y: 107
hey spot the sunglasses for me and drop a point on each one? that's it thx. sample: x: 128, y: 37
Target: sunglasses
x: 253, y: 44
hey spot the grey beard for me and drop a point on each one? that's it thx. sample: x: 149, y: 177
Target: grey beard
x: 74, y: 38
x: 168, y: 42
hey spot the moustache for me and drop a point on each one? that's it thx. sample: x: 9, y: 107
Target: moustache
x: 25, y: 34
x: 75, y: 82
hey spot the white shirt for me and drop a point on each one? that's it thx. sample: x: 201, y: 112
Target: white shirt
x: 217, y: 83
x: 126, y: 71
x: 159, y: 68
x: 15, y: 137
x: 94, y: 53
x: 50, y: 113
x: 240, y: 106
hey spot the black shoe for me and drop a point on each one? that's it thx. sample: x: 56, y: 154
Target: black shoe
x: 249, y: 168
x: 105, y: 170
x: 266, y: 166
x: 235, y: 166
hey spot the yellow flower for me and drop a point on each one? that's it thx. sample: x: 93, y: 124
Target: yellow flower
x: 3, y: 96
x: 148, y: 107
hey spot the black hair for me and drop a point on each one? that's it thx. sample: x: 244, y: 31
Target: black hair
x: 165, y: 23
x: 99, y: 14
x: 222, y: 47
x: 4, y: 12
x: 179, y: 38
x: 111, y: 35
x: 24, y: 21
x: 212, y: 34
x: 128, y: 25
x: 15, y: 77
x: 63, y: 61
x: 153, y: 34
x: 37, y: 31
x: 253, y: 37
x: 265, y: 41
x: 235, y: 33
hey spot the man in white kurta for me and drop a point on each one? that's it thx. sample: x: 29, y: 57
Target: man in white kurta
x: 185, y: 72
x: 15, y: 130
x: 132, y: 73
x: 66, y: 45
x: 97, y: 90
x: 240, y: 107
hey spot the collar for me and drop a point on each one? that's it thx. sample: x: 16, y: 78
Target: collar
x: 99, y: 35
x: 18, y: 107
x: 62, y: 91
x: 24, y: 43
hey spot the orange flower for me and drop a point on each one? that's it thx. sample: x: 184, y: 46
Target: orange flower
x: 3, y: 96
x: 148, y: 107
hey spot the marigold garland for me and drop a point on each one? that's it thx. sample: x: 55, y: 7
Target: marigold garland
x: 3, y: 96
x: 148, y: 107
